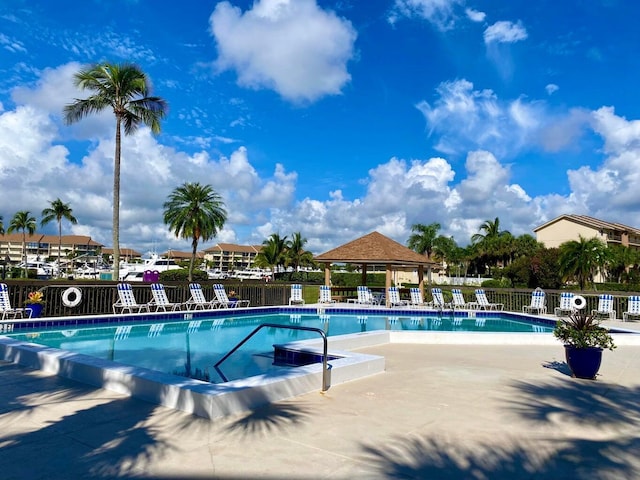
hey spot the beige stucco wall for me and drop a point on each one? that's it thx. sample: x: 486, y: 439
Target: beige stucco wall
x: 563, y: 231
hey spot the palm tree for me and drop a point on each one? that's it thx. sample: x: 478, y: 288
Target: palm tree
x: 194, y: 211
x: 580, y: 259
x: 124, y: 88
x: 494, y: 243
x: 422, y: 240
x: 297, y: 256
x: 273, y: 253
x: 57, y: 211
x: 23, y: 220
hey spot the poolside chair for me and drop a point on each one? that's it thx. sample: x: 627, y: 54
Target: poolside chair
x: 223, y: 299
x: 127, y: 301
x: 296, y: 295
x: 484, y: 303
x: 565, y: 307
x: 160, y: 301
x: 416, y: 298
x: 394, y: 298
x: 633, y: 308
x: 198, y: 300
x: 365, y: 297
x: 325, y: 295
x: 438, y: 299
x: 605, y: 307
x: 7, y: 311
x: 459, y: 301
x: 538, y: 303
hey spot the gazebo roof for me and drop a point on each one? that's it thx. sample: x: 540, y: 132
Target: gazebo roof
x: 373, y: 248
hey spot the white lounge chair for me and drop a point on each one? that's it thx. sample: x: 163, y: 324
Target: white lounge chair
x: 325, y: 295
x: 605, y: 307
x: 459, y: 301
x: 417, y: 299
x: 565, y: 307
x: 538, y: 303
x: 223, y: 299
x: 633, y: 308
x: 438, y: 298
x: 127, y: 301
x: 484, y: 303
x: 296, y: 295
x: 198, y: 300
x: 160, y: 301
x: 365, y: 297
x: 394, y: 298
x: 7, y: 311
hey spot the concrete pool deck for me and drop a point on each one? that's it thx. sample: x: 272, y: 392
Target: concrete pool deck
x: 438, y: 411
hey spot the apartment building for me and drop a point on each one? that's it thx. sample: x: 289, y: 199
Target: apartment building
x: 569, y: 227
x: 45, y: 247
x: 228, y: 257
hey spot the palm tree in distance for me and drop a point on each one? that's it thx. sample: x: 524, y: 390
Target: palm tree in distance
x: 124, y: 88
x: 493, y: 244
x: 423, y: 238
x: 195, y: 212
x: 297, y: 256
x: 58, y: 211
x: 23, y: 220
x: 273, y: 253
x: 580, y: 259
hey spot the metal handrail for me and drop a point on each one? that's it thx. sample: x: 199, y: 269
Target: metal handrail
x: 325, y: 369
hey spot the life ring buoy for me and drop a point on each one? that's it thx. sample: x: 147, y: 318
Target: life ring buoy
x: 578, y: 302
x: 68, y: 293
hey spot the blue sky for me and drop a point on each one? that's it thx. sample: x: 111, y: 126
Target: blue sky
x: 329, y: 118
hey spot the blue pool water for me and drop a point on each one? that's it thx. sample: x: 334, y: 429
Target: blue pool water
x: 191, y: 348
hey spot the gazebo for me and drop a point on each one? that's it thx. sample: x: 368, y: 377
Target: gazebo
x: 375, y: 249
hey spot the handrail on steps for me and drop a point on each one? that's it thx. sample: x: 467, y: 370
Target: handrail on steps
x: 325, y: 368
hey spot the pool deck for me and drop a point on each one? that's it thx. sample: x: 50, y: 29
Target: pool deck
x: 438, y: 411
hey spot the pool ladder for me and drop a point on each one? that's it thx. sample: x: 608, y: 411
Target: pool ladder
x: 325, y: 366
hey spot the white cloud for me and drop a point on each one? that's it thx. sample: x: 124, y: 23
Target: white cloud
x: 552, y: 88
x: 440, y: 13
x: 292, y: 47
x: 475, y: 15
x: 505, y: 32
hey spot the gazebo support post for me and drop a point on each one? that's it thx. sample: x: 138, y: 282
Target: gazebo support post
x: 421, y: 277
x: 387, y: 284
x: 327, y: 274
x: 364, y: 274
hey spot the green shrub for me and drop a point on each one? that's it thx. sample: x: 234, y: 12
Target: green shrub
x: 182, y: 275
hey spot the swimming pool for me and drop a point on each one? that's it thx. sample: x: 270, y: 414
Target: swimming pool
x: 191, y: 348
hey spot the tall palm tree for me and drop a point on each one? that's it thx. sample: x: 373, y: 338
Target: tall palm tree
x: 23, y: 220
x: 126, y: 89
x: 194, y: 211
x: 423, y: 238
x: 273, y: 253
x: 297, y: 256
x: 580, y: 259
x: 493, y: 244
x: 58, y: 211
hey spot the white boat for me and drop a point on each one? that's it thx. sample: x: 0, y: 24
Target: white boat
x: 43, y: 269
x: 134, y: 272
x: 252, y: 274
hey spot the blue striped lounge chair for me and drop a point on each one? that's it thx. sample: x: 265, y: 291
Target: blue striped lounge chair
x: 417, y: 299
x: 127, y: 301
x: 296, y: 295
x: 484, y: 303
x: 605, y: 307
x: 198, y: 299
x: 565, y: 307
x: 394, y: 298
x: 160, y: 301
x: 459, y: 300
x: 538, y: 303
x: 633, y: 308
x: 6, y: 310
x: 438, y: 298
x: 223, y: 299
x: 325, y: 295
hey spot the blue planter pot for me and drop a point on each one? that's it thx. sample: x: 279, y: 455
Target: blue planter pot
x: 36, y: 309
x: 583, y: 362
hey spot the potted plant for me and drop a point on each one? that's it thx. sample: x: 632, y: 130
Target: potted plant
x: 584, y: 340
x: 233, y: 297
x: 35, y: 303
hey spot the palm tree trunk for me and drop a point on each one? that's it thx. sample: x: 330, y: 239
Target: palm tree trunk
x: 59, y: 243
x: 194, y: 250
x: 116, y: 202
